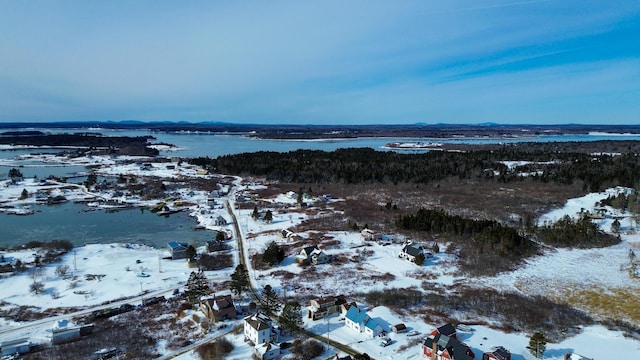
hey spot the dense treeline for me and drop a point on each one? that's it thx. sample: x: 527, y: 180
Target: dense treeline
x: 483, y: 240
x: 121, y: 145
x: 85, y: 140
x: 365, y: 165
x: 568, y: 232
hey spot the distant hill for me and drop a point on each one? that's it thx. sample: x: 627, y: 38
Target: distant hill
x: 486, y: 129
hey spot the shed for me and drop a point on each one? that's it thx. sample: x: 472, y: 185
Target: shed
x: 178, y: 250
x: 399, y: 328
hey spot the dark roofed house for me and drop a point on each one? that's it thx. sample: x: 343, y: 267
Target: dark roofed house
x: 313, y: 255
x: 497, y: 353
x: 217, y: 245
x: 443, y: 347
x: 219, y: 308
x: 446, y: 329
x: 323, y: 306
x: 410, y: 252
x: 178, y: 250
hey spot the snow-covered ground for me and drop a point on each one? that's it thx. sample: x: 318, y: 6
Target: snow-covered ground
x: 106, y: 272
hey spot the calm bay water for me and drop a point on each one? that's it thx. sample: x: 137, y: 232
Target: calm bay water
x: 69, y: 222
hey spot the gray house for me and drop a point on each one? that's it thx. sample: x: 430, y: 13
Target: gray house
x: 178, y: 250
x: 219, y: 221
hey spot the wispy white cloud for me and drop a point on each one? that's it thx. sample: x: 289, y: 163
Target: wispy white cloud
x: 319, y: 62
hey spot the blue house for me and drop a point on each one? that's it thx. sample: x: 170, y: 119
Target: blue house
x: 358, y: 320
x: 178, y: 250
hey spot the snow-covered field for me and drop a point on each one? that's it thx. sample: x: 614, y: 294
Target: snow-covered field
x: 102, y: 273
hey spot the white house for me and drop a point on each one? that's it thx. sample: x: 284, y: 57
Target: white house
x: 372, y: 328
x: 355, y: 319
x: 411, y: 251
x: 267, y: 351
x: 258, y: 329
x: 313, y: 255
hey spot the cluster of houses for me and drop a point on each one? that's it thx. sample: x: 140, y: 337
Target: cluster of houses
x: 443, y: 344
x: 258, y: 328
x: 410, y: 250
x: 178, y: 249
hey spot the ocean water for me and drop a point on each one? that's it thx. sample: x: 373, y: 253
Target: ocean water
x: 69, y: 221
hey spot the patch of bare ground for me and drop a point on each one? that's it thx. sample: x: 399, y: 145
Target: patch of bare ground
x: 379, y: 205
x: 134, y: 333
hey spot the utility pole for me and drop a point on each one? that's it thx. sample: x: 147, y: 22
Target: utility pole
x: 75, y: 264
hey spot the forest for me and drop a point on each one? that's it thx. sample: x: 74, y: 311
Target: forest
x: 365, y: 165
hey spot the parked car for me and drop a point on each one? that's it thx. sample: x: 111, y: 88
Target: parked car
x: 413, y: 333
x: 385, y: 342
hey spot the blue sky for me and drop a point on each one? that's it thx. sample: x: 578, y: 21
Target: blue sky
x: 322, y: 62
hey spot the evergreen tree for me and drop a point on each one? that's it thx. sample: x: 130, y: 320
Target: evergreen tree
x: 273, y: 254
x: 269, y: 301
x: 15, y: 173
x: 615, y: 226
x: 197, y: 286
x: 240, y: 280
x: 419, y: 260
x: 291, y: 317
x: 92, y: 179
x: 24, y: 194
x: 537, y: 344
x: 255, y: 214
x: 268, y: 216
x: 191, y: 252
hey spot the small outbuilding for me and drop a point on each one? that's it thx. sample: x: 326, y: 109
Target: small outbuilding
x: 178, y: 250
x: 399, y: 328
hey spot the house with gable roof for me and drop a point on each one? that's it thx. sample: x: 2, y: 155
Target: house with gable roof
x: 219, y: 308
x: 267, y: 351
x: 410, y: 251
x: 497, y: 353
x: 446, y: 329
x: 438, y: 346
x: 178, y: 250
x: 358, y: 320
x: 372, y: 328
x: 323, y: 306
x: 258, y: 329
x: 313, y: 255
